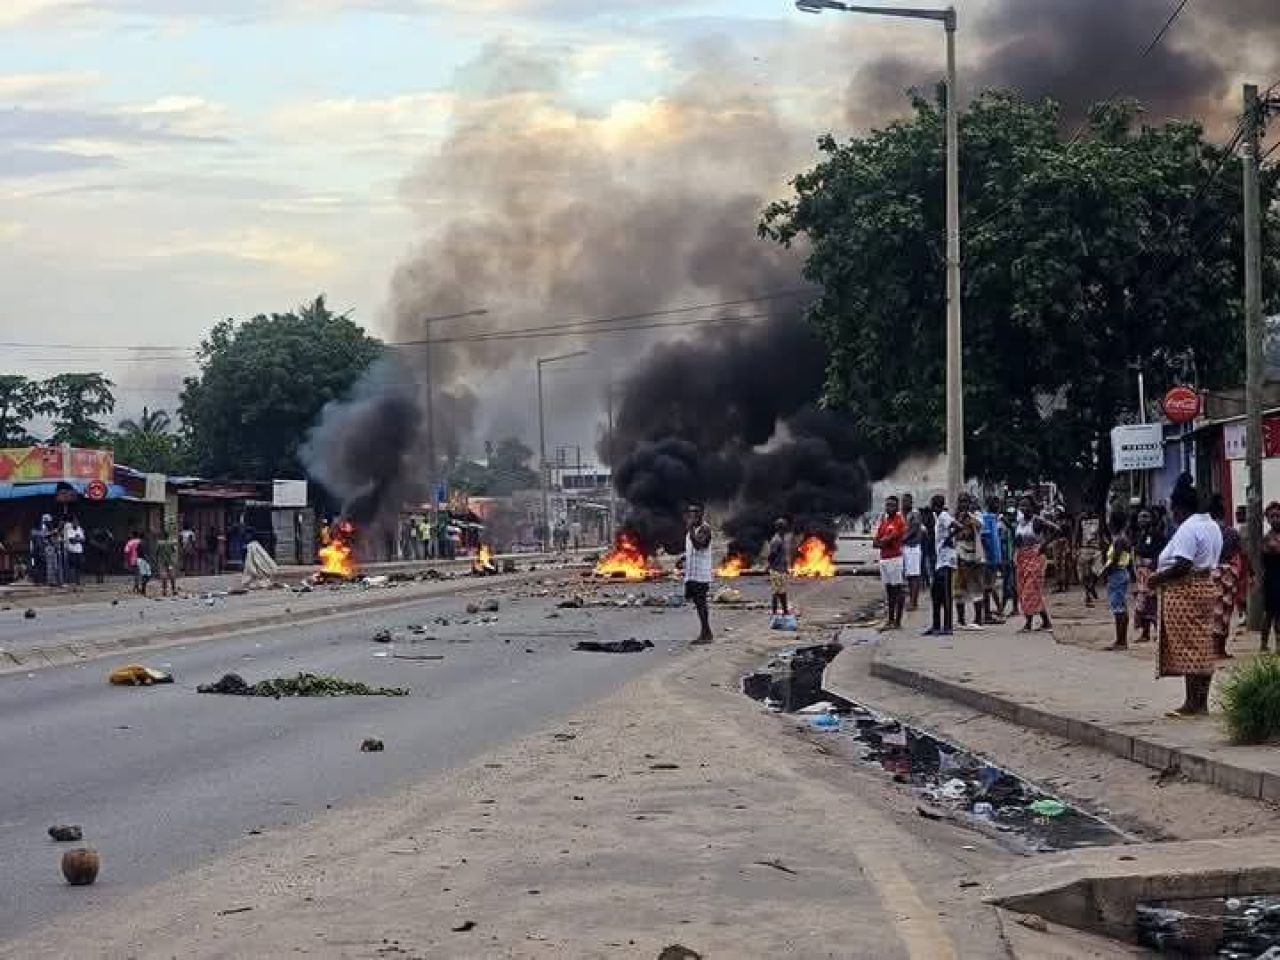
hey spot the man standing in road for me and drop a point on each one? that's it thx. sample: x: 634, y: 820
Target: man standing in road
x: 888, y: 540
x: 778, y: 560
x: 944, y: 539
x: 912, y: 550
x: 697, y: 567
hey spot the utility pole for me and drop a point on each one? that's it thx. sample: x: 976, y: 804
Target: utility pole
x: 1253, y: 340
x: 955, y: 353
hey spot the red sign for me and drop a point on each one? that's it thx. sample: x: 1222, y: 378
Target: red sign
x: 96, y: 490
x: 1181, y: 405
x: 43, y: 464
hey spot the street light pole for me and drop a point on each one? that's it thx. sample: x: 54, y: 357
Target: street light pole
x: 542, y: 443
x: 955, y: 381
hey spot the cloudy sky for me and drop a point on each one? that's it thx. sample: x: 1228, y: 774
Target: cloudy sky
x: 163, y: 166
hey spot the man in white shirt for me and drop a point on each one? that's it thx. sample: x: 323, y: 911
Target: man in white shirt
x: 944, y: 535
x: 697, y: 567
x: 73, y: 542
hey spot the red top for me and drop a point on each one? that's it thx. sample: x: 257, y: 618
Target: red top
x: 890, y: 534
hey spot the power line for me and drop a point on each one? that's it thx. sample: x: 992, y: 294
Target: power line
x: 703, y: 322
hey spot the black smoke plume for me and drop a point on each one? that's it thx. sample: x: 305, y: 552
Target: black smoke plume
x: 363, y: 448
x: 658, y: 479
x: 815, y: 474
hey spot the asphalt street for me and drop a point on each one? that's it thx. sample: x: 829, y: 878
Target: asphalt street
x: 163, y: 778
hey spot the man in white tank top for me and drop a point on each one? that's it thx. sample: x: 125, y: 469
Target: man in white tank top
x: 697, y: 567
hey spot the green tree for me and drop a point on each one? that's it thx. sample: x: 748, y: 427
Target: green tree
x: 261, y: 385
x: 1085, y: 258
x: 147, y: 444
x: 506, y: 471
x: 19, y: 402
x: 74, y: 401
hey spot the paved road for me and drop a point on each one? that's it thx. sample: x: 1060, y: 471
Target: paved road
x: 163, y: 778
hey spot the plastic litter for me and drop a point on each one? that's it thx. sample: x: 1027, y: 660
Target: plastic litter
x: 1047, y: 807
x: 786, y: 622
x: 825, y: 721
x: 983, y: 809
x: 955, y: 789
x: 822, y: 706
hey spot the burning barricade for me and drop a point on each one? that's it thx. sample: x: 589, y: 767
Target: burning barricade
x: 814, y: 558
x: 482, y: 563
x: 627, y: 561
x: 337, y: 557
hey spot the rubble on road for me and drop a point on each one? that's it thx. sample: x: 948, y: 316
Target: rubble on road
x: 29, y: 614
x: 66, y: 833
x: 372, y: 745
x: 630, y: 645
x: 137, y: 675
x: 303, y: 685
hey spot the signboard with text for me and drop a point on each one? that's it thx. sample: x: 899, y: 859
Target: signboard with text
x: 1234, y: 434
x: 288, y: 493
x: 45, y: 464
x: 1137, y: 446
x: 1181, y: 405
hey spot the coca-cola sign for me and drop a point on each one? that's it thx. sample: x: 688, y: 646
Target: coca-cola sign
x: 1181, y: 405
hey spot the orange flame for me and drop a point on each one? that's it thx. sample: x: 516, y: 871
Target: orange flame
x: 626, y: 559
x: 814, y: 559
x: 483, y: 563
x: 338, y: 555
x: 733, y: 566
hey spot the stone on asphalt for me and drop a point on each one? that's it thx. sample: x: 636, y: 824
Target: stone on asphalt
x: 66, y: 833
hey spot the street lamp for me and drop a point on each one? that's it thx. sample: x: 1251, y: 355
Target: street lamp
x: 428, y: 322
x: 955, y: 394
x: 542, y: 441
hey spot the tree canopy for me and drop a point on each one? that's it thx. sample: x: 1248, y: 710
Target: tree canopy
x: 146, y: 443
x: 1085, y: 258
x: 75, y: 401
x: 19, y: 401
x: 506, y: 471
x: 261, y: 385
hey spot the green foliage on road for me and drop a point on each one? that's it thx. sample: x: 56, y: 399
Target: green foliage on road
x: 1250, y: 701
x: 263, y: 383
x: 302, y: 685
x: 1084, y: 257
x: 74, y: 401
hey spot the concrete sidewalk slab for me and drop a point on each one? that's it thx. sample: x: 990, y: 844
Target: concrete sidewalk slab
x: 1099, y: 889
x: 1111, y: 701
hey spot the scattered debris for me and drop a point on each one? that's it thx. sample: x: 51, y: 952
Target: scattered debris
x: 664, y: 766
x: 728, y: 595
x: 80, y: 866
x: 66, y: 833
x: 464, y: 927
x: 679, y: 951
x: 630, y: 645
x: 372, y: 745
x: 572, y: 603
x: 1032, y: 922
x: 473, y: 608
x: 382, y: 636
x: 136, y: 675
x: 303, y: 685
x: 776, y: 865
x: 29, y: 613
x: 232, y: 910
x: 491, y: 606
x: 787, y: 622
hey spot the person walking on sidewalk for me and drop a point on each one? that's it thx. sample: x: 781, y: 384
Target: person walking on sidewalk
x: 1189, y: 597
x: 1271, y: 573
x: 1147, y: 544
x: 888, y: 540
x: 1089, y: 553
x: 778, y: 561
x: 1029, y: 559
x: 1115, y: 575
x: 912, y: 550
x: 944, y: 544
x: 1229, y: 575
x: 697, y: 567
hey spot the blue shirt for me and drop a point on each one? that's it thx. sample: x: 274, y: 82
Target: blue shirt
x: 991, y: 539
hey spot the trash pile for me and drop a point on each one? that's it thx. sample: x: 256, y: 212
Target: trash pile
x: 630, y: 645
x: 1238, y: 928
x: 303, y: 685
x: 659, y: 601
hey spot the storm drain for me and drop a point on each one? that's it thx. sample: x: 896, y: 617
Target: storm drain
x: 952, y: 782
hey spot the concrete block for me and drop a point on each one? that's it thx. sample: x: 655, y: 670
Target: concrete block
x: 1151, y: 754
x: 1269, y: 788
x: 1195, y: 767
x: 1237, y: 780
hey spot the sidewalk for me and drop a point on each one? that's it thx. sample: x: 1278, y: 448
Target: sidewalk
x: 1067, y: 685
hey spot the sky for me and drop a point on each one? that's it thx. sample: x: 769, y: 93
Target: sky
x: 165, y: 164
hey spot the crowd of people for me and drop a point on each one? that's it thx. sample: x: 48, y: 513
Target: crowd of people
x: 1182, y: 572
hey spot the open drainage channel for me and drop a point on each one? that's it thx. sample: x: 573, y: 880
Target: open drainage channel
x: 955, y: 783
x: 969, y: 788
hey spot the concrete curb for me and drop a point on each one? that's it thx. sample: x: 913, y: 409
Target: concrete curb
x: 80, y: 651
x: 1246, y: 782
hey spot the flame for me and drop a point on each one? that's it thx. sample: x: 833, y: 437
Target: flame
x: 814, y: 559
x: 483, y: 563
x: 338, y: 555
x: 733, y: 566
x: 626, y: 559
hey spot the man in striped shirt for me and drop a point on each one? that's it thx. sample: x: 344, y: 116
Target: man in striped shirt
x: 697, y: 567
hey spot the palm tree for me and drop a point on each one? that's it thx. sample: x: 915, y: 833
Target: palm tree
x: 151, y: 422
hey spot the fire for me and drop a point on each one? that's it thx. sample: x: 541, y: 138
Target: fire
x: 733, y: 566
x: 483, y: 563
x: 814, y: 559
x: 338, y: 556
x: 626, y: 559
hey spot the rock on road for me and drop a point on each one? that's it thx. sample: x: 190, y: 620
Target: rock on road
x: 163, y: 778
